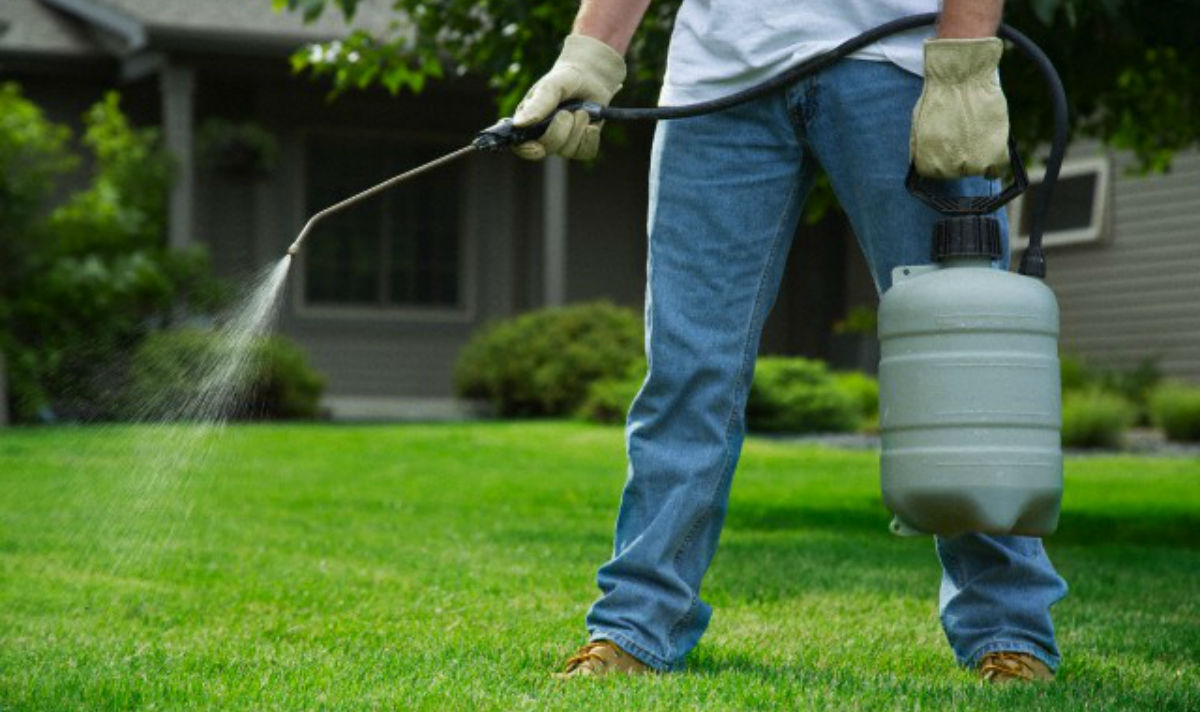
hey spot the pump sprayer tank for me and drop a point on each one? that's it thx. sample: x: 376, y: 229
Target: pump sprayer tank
x: 969, y: 395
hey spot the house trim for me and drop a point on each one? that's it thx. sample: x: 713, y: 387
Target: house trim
x: 554, y: 233
x: 124, y: 27
x: 1097, y: 227
x: 178, y: 88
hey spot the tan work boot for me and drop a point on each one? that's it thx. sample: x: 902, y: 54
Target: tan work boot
x: 602, y: 657
x: 1013, y: 667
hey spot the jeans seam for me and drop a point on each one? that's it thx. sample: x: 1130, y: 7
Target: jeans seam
x: 691, y: 609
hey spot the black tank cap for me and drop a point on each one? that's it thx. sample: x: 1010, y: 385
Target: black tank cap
x: 967, y: 236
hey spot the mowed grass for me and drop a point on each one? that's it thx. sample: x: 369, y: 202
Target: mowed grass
x: 450, y: 566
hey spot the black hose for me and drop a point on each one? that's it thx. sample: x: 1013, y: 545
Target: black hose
x: 784, y: 79
x: 1033, y: 262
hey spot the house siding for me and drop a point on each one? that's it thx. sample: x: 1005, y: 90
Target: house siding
x: 1136, y: 294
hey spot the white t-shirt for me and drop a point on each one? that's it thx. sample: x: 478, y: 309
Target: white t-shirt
x: 721, y: 46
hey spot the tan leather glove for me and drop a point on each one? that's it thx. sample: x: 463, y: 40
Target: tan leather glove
x: 587, y: 69
x: 960, y: 123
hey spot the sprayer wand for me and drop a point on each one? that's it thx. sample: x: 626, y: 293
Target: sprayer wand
x: 308, y: 226
x: 504, y: 134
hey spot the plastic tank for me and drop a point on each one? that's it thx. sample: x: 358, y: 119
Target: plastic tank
x: 970, y: 401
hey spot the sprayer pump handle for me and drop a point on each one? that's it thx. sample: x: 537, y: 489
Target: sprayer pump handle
x: 504, y: 133
x: 971, y: 204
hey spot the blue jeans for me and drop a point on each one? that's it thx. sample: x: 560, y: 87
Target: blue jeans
x: 726, y: 192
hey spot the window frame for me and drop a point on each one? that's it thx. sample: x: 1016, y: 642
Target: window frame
x: 466, y: 309
x: 1097, y: 229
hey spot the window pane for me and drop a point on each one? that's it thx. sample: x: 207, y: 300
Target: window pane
x: 424, y: 243
x: 398, y: 248
x: 1070, y: 205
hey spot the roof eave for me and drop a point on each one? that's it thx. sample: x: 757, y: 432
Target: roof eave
x: 238, y: 44
x: 128, y: 30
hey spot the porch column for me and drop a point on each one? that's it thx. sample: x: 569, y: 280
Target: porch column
x: 178, y: 86
x: 554, y: 231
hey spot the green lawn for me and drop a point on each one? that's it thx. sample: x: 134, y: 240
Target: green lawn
x: 449, y: 567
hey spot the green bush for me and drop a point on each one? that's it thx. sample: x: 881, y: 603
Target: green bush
x: 1075, y: 374
x: 798, y: 395
x: 863, y: 390
x: 542, y: 363
x: 84, y: 274
x: 794, y: 395
x: 1095, y: 418
x: 1175, y: 407
x: 193, y: 374
x: 1133, y: 383
x: 608, y: 399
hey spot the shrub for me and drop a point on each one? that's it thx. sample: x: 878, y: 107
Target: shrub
x: 864, y: 391
x: 1094, y: 418
x: 608, y: 399
x: 1175, y: 407
x: 193, y: 374
x: 1133, y: 383
x: 798, y: 395
x: 1075, y: 374
x: 84, y: 274
x: 542, y: 363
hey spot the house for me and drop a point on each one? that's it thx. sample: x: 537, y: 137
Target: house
x: 1123, y: 254
x: 384, y: 295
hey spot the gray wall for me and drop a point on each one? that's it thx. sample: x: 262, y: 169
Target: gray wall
x: 1136, y: 294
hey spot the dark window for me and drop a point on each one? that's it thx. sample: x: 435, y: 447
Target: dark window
x: 399, y: 248
x: 1070, y: 206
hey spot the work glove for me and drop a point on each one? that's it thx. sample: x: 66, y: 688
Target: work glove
x: 588, y: 69
x: 960, y: 123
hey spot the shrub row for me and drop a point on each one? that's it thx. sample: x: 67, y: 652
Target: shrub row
x: 586, y: 360
x: 1094, y: 418
x: 1100, y: 404
x: 1175, y: 408
x: 794, y: 395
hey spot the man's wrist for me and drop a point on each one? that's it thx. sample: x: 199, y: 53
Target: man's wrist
x: 969, y: 19
x: 613, y: 22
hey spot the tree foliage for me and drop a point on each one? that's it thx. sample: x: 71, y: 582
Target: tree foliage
x: 1129, y: 67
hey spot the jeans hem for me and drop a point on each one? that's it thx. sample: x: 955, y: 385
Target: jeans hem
x: 1010, y: 646
x: 638, y: 651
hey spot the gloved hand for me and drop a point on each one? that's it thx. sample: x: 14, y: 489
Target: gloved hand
x: 960, y: 123
x: 587, y: 69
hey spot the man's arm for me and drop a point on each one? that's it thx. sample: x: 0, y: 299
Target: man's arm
x: 965, y: 19
x: 610, y: 21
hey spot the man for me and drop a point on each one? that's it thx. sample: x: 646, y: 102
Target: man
x: 726, y: 192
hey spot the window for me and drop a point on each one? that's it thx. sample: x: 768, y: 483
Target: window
x: 1077, y: 207
x: 401, y: 248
